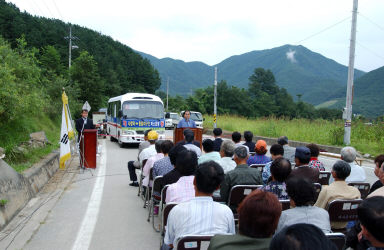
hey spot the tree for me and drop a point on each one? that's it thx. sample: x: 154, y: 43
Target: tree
x: 84, y: 74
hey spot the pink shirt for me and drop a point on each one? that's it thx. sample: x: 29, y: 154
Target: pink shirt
x: 182, y: 190
x: 148, y: 165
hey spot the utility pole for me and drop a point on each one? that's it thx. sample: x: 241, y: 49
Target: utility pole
x: 215, y: 100
x: 347, y: 113
x: 70, y: 38
x: 167, y: 92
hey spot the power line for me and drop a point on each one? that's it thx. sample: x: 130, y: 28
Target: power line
x: 377, y: 25
x: 42, y: 13
x: 373, y: 52
x: 58, y: 11
x: 325, y: 29
x: 49, y: 10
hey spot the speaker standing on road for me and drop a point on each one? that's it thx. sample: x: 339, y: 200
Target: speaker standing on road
x: 186, y: 122
x: 83, y: 123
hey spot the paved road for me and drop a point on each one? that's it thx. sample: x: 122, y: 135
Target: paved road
x: 97, y: 210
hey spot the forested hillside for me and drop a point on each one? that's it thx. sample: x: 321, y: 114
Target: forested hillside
x: 296, y: 68
x: 119, y: 68
x: 367, y: 95
x: 262, y: 98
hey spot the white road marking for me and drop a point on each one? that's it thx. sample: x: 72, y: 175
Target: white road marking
x: 84, y: 236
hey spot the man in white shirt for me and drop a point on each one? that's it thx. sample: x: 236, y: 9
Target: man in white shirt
x: 210, y: 154
x: 201, y: 215
x: 348, y: 154
x: 227, y: 150
x: 144, y: 155
x: 149, y: 164
x: 189, y: 135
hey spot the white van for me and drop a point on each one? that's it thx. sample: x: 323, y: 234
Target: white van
x: 195, y: 116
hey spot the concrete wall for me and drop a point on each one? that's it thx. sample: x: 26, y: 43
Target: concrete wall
x: 270, y: 141
x: 18, y: 189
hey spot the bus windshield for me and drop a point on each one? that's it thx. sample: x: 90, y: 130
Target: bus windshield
x: 143, y: 110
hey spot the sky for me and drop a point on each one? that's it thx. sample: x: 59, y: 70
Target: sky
x: 211, y: 31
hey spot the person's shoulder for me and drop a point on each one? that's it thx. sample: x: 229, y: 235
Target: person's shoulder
x: 222, y: 207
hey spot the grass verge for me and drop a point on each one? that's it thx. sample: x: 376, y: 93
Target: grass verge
x: 365, y: 138
x: 14, y: 133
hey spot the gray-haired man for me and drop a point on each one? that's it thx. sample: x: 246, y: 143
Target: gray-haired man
x: 241, y: 175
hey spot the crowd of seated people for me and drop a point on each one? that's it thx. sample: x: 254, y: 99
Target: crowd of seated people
x: 193, y: 180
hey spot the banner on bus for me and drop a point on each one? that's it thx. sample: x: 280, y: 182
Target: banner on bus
x: 146, y: 123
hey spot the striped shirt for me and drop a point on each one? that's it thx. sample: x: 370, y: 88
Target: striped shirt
x: 182, y: 190
x: 199, y: 216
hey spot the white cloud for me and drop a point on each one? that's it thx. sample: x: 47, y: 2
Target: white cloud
x: 291, y: 55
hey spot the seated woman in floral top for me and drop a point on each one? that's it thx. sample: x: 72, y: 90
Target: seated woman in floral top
x: 314, y: 162
x: 280, y: 170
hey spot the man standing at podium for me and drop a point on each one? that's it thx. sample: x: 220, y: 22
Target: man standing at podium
x: 186, y: 122
x: 83, y: 123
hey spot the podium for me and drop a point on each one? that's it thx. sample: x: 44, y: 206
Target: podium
x: 179, y: 136
x: 88, y: 148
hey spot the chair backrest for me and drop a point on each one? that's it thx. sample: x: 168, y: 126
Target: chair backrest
x: 363, y: 187
x: 156, y: 187
x: 338, y: 239
x: 164, y: 218
x: 259, y: 167
x: 163, y: 194
x: 324, y: 177
x: 343, y: 210
x: 193, y: 242
x: 285, y: 204
x: 239, y: 192
x: 317, y: 189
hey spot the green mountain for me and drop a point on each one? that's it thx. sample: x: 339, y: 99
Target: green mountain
x: 307, y: 73
x: 367, y: 99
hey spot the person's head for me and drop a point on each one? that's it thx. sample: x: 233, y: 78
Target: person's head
x: 84, y: 113
x: 301, y: 191
x: 166, y: 146
x: 174, y: 152
x: 282, y: 140
x: 261, y: 147
x: 189, y: 135
x: 248, y: 136
x: 341, y: 170
x: 315, y: 150
x: 241, y: 155
x: 236, y: 137
x: 208, y: 145
x: 378, y: 162
x: 158, y: 146
x: 259, y: 214
x: 280, y: 169
x: 146, y: 134
x: 208, y: 177
x: 348, y: 154
x: 217, y: 132
x: 276, y: 151
x: 187, y: 114
x: 381, y: 173
x: 302, y: 156
x: 301, y: 237
x: 371, y: 216
x: 152, y: 136
x: 227, y: 148
x: 186, y: 162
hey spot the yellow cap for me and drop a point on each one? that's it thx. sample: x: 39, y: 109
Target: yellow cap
x: 152, y: 135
